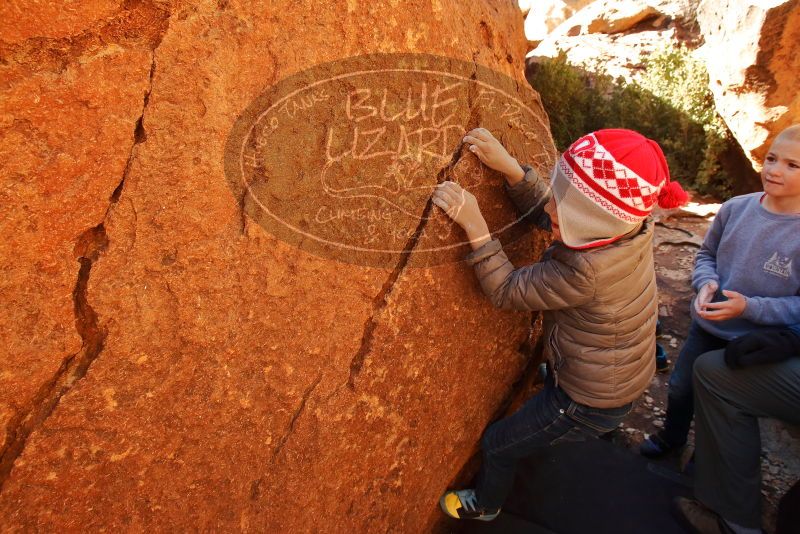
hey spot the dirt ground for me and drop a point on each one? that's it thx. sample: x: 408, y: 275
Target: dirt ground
x: 678, y: 237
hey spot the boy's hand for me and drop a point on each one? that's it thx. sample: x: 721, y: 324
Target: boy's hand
x: 704, y: 296
x: 493, y: 154
x: 729, y: 309
x: 462, y: 206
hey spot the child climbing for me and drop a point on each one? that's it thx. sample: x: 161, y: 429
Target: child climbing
x: 744, y: 279
x: 596, y: 286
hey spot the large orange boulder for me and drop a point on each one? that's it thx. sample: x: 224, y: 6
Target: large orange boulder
x: 229, y: 302
x: 752, y: 52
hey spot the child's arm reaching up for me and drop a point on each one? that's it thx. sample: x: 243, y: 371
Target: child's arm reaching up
x: 494, y: 155
x: 527, y: 191
x: 563, y: 281
x: 462, y: 206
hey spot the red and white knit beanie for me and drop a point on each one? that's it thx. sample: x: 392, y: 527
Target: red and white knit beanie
x: 606, y: 183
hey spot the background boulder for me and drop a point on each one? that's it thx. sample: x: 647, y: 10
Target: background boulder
x: 616, y: 37
x: 752, y: 53
x: 543, y: 17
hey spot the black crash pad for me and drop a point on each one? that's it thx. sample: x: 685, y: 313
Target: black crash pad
x: 588, y: 487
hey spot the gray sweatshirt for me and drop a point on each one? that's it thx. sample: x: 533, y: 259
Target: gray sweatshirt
x: 752, y: 251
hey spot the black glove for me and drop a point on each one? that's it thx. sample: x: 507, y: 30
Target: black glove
x: 762, y: 346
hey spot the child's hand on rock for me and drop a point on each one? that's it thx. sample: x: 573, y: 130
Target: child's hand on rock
x: 462, y: 206
x: 492, y: 154
x: 458, y: 203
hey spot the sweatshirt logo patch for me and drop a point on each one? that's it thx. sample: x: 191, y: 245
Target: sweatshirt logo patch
x: 778, y: 266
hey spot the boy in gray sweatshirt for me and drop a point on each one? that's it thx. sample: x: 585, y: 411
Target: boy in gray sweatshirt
x: 751, y: 252
x: 746, y: 278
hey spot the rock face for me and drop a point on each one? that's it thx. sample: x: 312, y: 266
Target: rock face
x: 752, y: 53
x: 781, y: 441
x: 173, y: 361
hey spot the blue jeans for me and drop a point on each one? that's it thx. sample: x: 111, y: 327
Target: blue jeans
x: 680, y: 400
x: 548, y: 418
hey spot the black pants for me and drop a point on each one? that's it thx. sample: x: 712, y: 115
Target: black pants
x: 728, y: 404
x: 546, y: 419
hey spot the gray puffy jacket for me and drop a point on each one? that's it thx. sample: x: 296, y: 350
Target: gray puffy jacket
x: 599, y: 304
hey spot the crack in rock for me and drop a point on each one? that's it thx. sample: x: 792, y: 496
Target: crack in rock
x: 242, y: 212
x: 88, y: 248
x: 245, y: 194
x: 676, y: 228
x: 295, y: 416
x: 381, y: 299
x: 532, y: 353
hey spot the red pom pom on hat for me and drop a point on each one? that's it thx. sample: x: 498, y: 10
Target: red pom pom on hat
x: 672, y: 196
